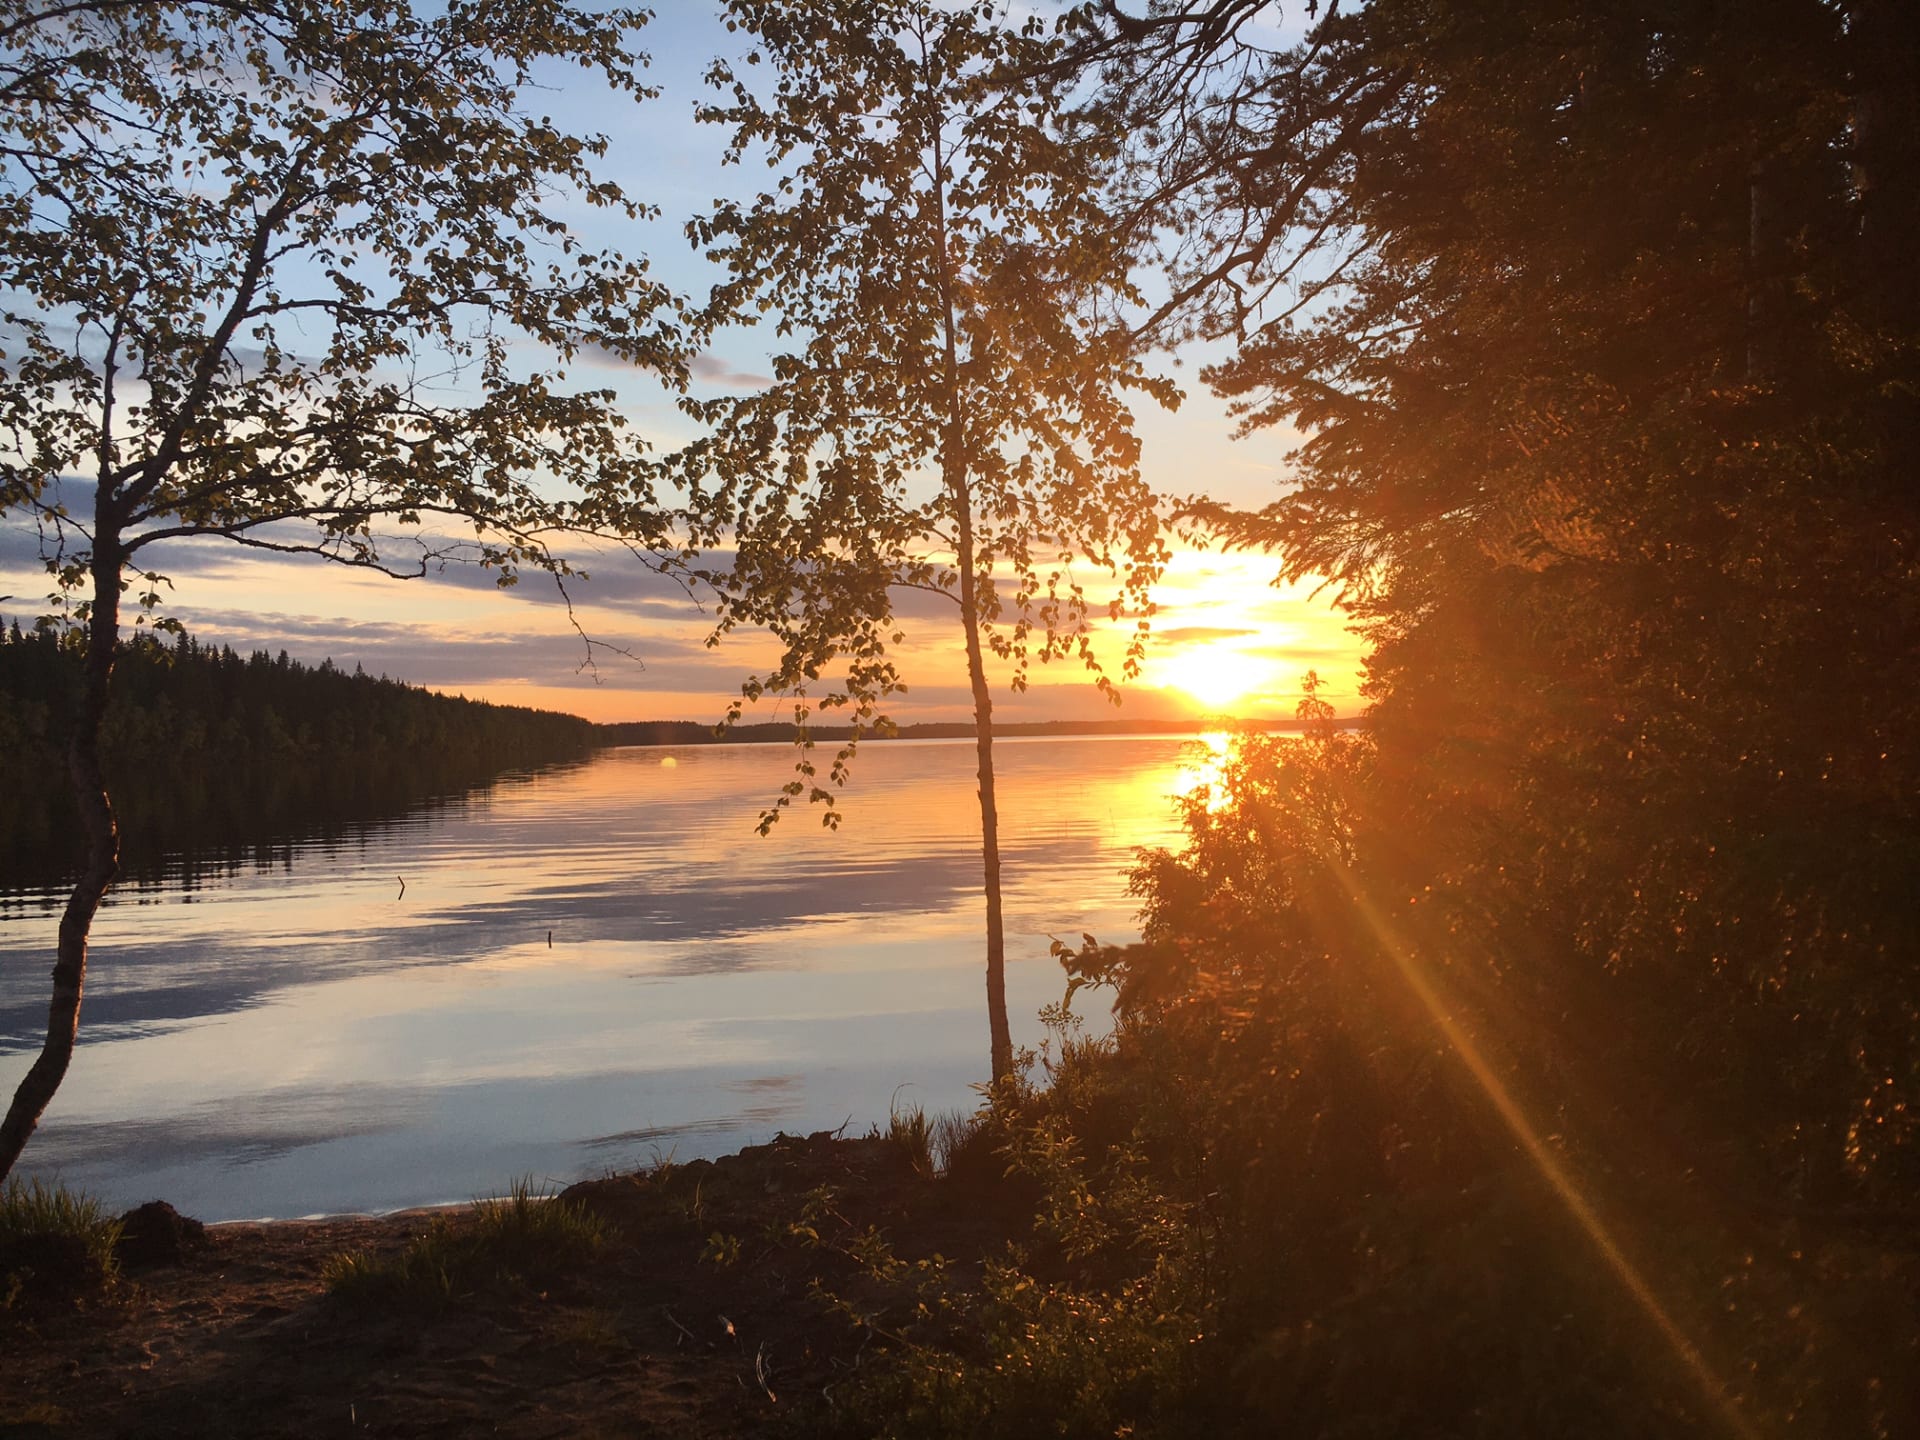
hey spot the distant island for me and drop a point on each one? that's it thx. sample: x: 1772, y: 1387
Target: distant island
x: 694, y: 732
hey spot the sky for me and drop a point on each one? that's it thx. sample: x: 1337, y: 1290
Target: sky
x: 1227, y: 640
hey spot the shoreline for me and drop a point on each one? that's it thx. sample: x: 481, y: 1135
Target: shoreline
x: 697, y: 1313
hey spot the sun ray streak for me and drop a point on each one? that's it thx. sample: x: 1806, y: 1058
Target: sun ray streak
x: 1542, y: 1156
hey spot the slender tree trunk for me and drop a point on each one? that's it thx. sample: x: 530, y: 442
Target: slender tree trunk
x: 36, y: 1091
x: 953, y: 472
x: 1000, y: 1034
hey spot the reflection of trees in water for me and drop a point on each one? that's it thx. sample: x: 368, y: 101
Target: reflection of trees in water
x: 177, y: 837
x: 220, y: 762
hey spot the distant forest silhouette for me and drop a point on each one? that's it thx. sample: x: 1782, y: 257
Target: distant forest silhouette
x: 771, y: 732
x: 217, y: 757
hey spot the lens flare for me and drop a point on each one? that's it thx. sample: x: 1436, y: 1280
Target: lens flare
x: 1544, y: 1160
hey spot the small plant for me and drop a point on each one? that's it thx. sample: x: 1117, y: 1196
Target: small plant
x: 529, y: 1232
x: 420, y: 1277
x: 910, y: 1132
x: 722, y: 1250
x: 54, y: 1239
x: 526, y: 1234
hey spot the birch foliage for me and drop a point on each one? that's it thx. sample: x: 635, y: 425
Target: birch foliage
x: 949, y: 416
x: 299, y: 275
x: 933, y: 251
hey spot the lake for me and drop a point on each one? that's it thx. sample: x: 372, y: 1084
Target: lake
x: 576, y: 971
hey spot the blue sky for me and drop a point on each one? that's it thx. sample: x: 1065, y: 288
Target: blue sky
x: 1223, y: 627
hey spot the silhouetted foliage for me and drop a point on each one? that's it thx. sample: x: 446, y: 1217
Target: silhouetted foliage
x: 1545, y: 1057
x: 1611, y: 425
x: 296, y: 277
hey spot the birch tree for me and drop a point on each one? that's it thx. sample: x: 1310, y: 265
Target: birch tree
x: 950, y: 416
x: 292, y: 275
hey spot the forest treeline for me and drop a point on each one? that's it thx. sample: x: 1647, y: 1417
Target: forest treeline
x: 211, y: 753
x: 695, y: 732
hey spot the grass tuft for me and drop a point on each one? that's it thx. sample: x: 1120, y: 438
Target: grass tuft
x: 54, y: 1240
x: 961, y: 1141
x: 911, y: 1133
x: 419, y: 1277
x: 970, y: 1149
x: 531, y: 1232
x: 528, y: 1234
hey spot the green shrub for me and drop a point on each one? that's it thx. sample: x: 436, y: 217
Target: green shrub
x: 1024, y: 1357
x: 1100, y: 1324
x: 54, y: 1240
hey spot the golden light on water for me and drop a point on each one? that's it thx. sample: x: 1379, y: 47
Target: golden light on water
x: 1206, y: 769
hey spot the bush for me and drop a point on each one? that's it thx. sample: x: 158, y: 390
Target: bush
x: 1026, y: 1357
x: 1098, y: 1323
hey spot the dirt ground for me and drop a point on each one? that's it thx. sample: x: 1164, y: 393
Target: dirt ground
x: 699, y: 1320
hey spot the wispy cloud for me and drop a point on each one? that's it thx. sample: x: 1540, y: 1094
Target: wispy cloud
x: 714, y: 371
x: 1199, y: 634
x: 455, y: 656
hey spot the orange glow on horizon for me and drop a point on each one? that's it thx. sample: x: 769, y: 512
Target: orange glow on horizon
x: 1220, y: 676
x: 1226, y: 643
x: 1233, y: 643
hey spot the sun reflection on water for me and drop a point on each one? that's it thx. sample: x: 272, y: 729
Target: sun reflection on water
x: 1203, y: 768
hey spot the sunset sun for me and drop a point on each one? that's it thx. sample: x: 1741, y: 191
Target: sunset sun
x: 1219, y: 676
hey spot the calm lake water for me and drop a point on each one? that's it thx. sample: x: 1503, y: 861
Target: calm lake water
x: 589, y: 969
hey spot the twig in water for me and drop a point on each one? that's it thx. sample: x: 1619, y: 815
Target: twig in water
x: 403, y: 887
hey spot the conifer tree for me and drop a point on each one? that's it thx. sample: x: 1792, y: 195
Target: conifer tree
x: 1607, y: 381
